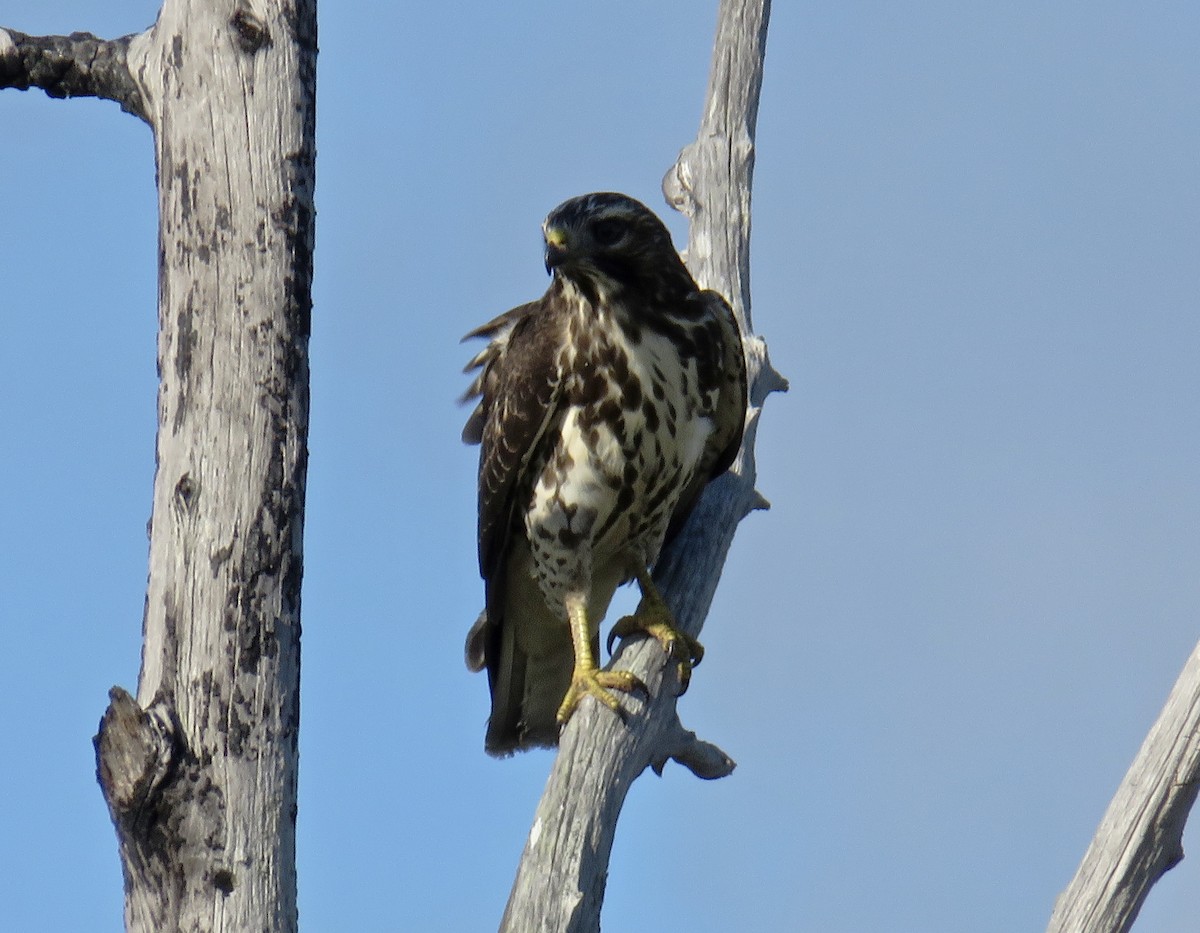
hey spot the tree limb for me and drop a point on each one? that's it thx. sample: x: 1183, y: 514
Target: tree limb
x: 1141, y: 835
x: 78, y: 65
x: 560, y: 880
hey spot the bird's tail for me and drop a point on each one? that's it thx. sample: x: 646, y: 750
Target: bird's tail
x: 529, y: 659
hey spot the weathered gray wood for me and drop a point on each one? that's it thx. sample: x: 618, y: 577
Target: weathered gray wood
x: 711, y: 183
x: 1141, y: 835
x: 200, y: 770
x: 559, y: 886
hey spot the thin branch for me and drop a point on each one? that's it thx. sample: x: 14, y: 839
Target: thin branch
x: 78, y: 65
x: 1141, y: 836
x: 560, y: 881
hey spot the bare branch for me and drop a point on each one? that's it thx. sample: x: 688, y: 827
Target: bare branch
x: 711, y: 183
x: 78, y: 65
x: 560, y: 881
x: 1141, y: 835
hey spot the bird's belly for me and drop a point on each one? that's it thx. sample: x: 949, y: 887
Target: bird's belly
x: 578, y: 490
x: 601, y: 506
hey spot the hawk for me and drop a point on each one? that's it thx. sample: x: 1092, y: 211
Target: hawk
x: 605, y: 406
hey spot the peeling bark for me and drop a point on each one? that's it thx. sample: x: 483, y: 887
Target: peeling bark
x: 199, y: 771
x: 561, y: 877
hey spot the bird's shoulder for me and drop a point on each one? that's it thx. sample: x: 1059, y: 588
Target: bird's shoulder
x: 517, y: 342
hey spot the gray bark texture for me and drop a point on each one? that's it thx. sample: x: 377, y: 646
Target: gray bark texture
x: 199, y: 771
x: 1141, y: 836
x: 559, y: 887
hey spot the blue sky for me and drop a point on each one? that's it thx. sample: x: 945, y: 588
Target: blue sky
x: 976, y: 234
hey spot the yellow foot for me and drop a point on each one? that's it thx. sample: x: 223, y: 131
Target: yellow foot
x: 653, y: 618
x: 588, y: 681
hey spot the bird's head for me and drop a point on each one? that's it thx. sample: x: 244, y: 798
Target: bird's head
x: 605, y: 241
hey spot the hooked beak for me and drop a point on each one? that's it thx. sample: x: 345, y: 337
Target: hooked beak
x: 557, y: 247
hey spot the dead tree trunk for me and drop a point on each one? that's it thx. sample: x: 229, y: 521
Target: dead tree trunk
x: 1141, y: 835
x: 560, y: 880
x: 199, y: 772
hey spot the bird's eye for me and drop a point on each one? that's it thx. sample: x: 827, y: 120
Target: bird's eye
x: 607, y: 232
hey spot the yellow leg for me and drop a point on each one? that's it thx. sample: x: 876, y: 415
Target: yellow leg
x: 587, y: 679
x: 653, y: 618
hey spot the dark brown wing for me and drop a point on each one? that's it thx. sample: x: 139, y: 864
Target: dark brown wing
x: 723, y: 363
x: 521, y: 389
x: 730, y: 416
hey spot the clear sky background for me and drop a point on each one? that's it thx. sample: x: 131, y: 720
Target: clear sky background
x: 976, y: 256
